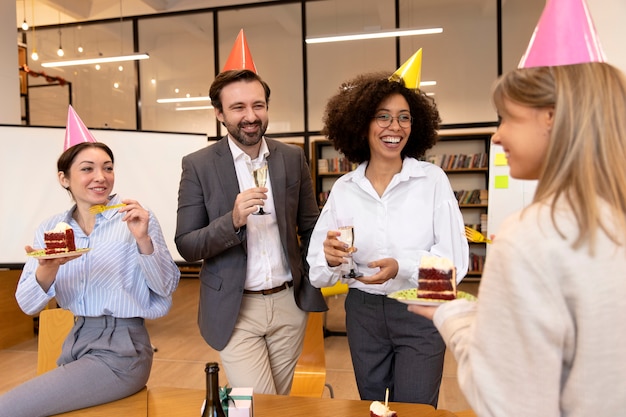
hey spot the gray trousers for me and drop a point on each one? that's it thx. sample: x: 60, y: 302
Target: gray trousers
x: 103, y: 359
x: 393, y: 348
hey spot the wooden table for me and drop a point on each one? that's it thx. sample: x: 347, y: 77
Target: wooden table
x: 178, y: 402
x: 134, y: 406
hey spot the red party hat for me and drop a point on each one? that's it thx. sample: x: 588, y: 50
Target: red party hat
x: 240, y: 56
x: 565, y: 35
x: 75, y: 131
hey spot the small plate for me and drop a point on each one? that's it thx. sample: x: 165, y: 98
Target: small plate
x: 41, y: 254
x: 410, y: 297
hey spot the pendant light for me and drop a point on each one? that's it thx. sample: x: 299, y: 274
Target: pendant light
x: 24, y: 23
x: 34, y: 56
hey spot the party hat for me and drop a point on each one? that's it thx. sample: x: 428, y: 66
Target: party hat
x: 75, y: 131
x: 410, y: 71
x: 565, y: 35
x: 240, y: 56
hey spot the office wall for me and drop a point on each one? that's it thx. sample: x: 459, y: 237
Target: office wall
x: 147, y: 168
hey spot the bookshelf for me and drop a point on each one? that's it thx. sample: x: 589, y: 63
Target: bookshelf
x: 327, y: 164
x: 465, y: 159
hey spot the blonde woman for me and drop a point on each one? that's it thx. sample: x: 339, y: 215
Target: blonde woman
x: 547, y: 336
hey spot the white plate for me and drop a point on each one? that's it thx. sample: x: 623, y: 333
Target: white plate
x: 410, y: 297
x: 41, y: 254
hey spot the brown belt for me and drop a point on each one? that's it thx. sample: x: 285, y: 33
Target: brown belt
x: 271, y: 290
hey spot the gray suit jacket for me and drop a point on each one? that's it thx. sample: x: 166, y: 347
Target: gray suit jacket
x: 204, y: 230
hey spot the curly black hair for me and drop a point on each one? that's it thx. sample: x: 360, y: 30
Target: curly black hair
x: 348, y: 115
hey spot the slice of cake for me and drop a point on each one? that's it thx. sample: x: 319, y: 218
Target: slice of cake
x: 436, y: 279
x: 60, y: 239
x: 378, y: 409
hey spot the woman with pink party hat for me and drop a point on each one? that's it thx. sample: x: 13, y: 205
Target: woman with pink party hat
x: 126, y: 275
x: 547, y: 335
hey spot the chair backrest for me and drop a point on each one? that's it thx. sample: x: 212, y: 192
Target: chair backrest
x: 310, y: 376
x: 338, y: 288
x: 54, y: 325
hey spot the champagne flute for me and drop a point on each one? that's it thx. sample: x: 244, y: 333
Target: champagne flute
x: 347, y: 236
x: 260, y: 179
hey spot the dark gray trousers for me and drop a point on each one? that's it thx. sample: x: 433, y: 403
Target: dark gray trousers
x: 393, y: 348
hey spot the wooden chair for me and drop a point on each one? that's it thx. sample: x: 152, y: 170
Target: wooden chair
x: 54, y: 326
x: 337, y: 289
x: 309, y: 379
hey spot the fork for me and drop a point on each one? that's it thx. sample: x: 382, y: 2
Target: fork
x: 475, y: 236
x: 99, y: 208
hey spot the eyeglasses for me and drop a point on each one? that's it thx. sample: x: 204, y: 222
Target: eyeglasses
x: 385, y: 120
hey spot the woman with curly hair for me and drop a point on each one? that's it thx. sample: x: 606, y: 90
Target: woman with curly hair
x: 401, y: 209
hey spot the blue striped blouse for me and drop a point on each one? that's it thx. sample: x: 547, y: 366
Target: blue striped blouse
x: 113, y: 278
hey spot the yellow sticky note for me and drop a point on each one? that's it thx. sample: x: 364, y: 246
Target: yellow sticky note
x: 500, y: 160
x: 502, y: 181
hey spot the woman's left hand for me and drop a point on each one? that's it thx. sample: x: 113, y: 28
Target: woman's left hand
x: 388, y: 270
x: 137, y: 219
x: 426, y: 311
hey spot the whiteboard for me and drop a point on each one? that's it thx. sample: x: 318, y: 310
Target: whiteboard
x: 505, y: 200
x: 147, y: 169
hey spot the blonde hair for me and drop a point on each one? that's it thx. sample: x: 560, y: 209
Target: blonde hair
x: 585, y: 163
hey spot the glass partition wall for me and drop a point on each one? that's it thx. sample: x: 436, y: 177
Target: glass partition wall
x: 188, y: 48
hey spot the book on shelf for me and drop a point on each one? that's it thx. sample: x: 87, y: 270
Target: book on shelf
x: 322, y: 166
x: 470, y: 197
x: 334, y: 165
x: 476, y: 262
x: 458, y: 161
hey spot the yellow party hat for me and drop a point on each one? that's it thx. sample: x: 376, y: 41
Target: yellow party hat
x: 410, y: 71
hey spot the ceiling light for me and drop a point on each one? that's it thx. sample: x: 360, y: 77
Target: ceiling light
x: 99, y: 60
x: 183, y: 100
x: 194, y: 108
x: 373, y: 35
x: 427, y: 83
x: 24, y: 23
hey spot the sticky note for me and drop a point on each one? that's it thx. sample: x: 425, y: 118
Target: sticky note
x: 500, y: 160
x: 502, y: 181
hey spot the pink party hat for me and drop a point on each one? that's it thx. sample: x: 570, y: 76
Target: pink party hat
x: 565, y: 35
x: 410, y: 72
x: 240, y: 56
x: 75, y: 131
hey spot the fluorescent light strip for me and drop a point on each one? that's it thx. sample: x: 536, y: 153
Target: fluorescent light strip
x: 194, y: 108
x: 373, y: 35
x: 99, y: 60
x: 183, y: 99
x: 427, y: 83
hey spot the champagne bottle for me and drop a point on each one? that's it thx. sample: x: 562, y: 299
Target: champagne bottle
x: 212, y: 405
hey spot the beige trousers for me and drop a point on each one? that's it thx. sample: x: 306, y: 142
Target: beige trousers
x: 266, y: 343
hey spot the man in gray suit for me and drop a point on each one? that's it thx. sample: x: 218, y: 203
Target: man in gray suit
x: 254, y: 291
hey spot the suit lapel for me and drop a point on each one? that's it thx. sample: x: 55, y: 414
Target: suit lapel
x: 278, y: 177
x: 226, y: 173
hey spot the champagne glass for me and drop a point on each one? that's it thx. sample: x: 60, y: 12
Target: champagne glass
x: 346, y: 230
x: 260, y: 179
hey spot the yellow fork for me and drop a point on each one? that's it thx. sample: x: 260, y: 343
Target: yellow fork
x: 99, y: 208
x: 475, y: 236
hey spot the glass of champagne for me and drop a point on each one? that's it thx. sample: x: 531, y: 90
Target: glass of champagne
x: 346, y: 231
x: 260, y: 179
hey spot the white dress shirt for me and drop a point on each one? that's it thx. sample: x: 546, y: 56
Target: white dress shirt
x: 267, y: 266
x: 417, y: 215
